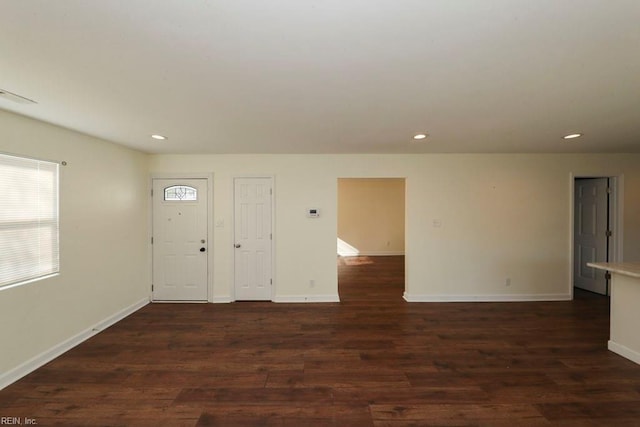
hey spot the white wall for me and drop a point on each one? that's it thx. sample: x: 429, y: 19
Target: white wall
x: 103, y: 234
x: 501, y: 216
x: 371, y: 216
x: 625, y: 316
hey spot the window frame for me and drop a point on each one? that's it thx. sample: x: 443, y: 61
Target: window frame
x: 40, y: 226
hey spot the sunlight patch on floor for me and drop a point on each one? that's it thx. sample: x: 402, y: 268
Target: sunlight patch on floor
x: 356, y: 260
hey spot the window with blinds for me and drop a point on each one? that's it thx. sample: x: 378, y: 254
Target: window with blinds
x: 29, y: 238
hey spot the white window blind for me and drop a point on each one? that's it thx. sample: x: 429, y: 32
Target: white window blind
x: 29, y: 241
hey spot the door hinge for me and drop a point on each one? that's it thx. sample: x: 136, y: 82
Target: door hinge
x: 271, y: 191
x: 607, y: 275
x: 152, y: 240
x: 271, y: 281
x: 609, y: 233
x: 152, y: 192
x: 608, y: 190
x: 152, y: 287
x: 270, y: 236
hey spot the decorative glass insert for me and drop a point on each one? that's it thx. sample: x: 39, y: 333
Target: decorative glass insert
x: 180, y: 193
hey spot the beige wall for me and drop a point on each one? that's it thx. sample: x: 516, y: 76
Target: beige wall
x: 500, y: 216
x: 103, y: 228
x: 371, y: 216
x: 625, y: 316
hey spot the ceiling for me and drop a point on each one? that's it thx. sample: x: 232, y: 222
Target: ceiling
x: 330, y: 76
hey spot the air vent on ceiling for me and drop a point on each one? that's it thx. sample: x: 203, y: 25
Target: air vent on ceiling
x: 5, y: 94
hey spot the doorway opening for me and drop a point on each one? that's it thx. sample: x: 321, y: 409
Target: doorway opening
x: 597, y: 231
x: 371, y: 238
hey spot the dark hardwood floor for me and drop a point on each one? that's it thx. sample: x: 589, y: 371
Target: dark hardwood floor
x: 371, y: 360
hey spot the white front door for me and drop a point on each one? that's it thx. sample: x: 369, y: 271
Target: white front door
x: 180, y: 242
x: 252, y: 234
x: 590, y: 233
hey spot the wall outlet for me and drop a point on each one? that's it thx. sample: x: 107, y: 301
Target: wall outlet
x: 312, y: 283
x: 507, y: 282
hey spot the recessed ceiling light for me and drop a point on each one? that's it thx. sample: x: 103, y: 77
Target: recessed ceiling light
x: 420, y: 136
x: 572, y: 136
x: 158, y: 137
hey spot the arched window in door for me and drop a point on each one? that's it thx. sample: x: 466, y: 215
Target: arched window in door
x: 180, y: 193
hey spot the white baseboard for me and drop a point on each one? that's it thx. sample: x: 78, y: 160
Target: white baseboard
x: 222, y: 300
x: 624, y: 351
x: 487, y: 298
x: 45, y: 357
x: 178, y: 301
x: 306, y: 298
x: 373, y: 253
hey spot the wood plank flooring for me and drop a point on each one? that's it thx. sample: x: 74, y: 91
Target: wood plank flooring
x: 371, y: 360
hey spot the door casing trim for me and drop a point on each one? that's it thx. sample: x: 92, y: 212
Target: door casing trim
x: 616, y: 215
x: 210, y: 231
x: 232, y: 285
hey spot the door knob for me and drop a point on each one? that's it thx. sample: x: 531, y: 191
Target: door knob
x: 202, y: 249
x: 237, y: 245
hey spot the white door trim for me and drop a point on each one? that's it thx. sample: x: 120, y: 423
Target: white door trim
x: 177, y: 175
x: 616, y: 211
x: 274, y: 233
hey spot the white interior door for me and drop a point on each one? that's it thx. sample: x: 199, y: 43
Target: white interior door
x: 252, y: 234
x: 590, y: 233
x: 180, y: 245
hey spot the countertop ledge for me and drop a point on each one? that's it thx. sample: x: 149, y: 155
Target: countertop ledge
x: 627, y: 268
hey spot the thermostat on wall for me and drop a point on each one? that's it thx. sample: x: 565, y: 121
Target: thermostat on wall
x: 313, y: 212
